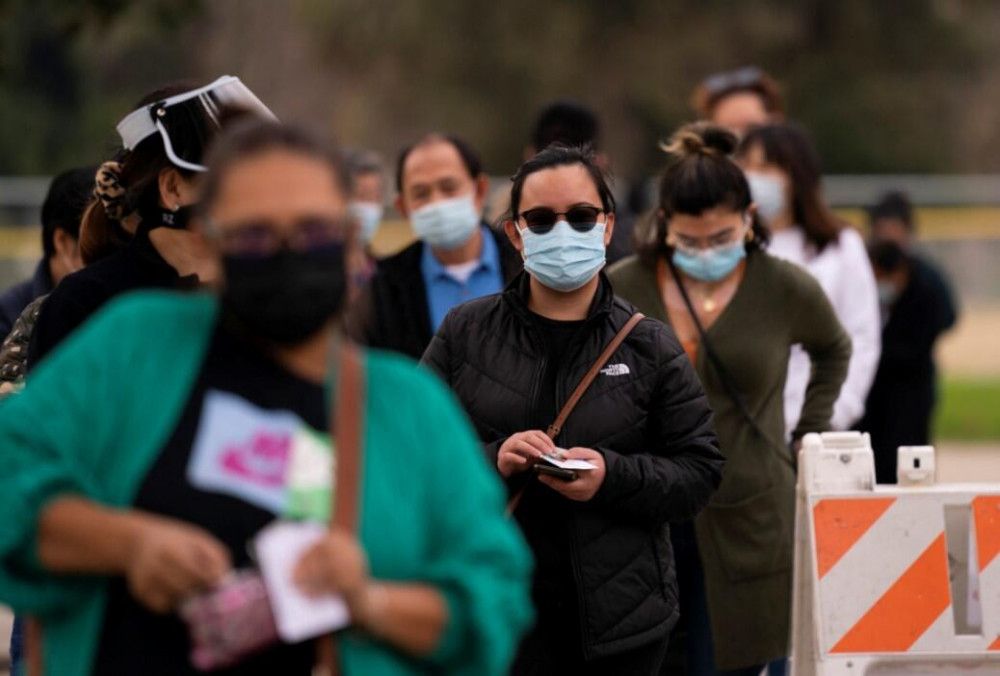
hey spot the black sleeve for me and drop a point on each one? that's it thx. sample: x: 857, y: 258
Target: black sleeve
x: 437, y: 356
x: 675, y: 478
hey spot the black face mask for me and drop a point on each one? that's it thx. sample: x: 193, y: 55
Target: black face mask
x: 158, y: 217
x: 288, y: 297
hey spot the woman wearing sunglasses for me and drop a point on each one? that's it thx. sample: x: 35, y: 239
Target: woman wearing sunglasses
x: 738, y: 312
x: 604, y: 585
x: 148, y: 452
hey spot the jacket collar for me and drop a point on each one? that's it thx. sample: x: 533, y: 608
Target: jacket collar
x: 516, y: 295
x: 41, y: 281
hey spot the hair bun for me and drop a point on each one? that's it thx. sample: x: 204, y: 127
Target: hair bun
x: 701, y: 138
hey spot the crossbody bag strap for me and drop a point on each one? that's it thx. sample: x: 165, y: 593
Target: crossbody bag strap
x: 556, y: 427
x: 724, y: 375
x: 348, y: 425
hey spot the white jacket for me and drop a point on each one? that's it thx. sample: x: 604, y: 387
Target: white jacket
x: 845, y: 273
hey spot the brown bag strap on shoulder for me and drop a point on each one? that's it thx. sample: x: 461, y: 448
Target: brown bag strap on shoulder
x: 556, y: 427
x: 348, y: 427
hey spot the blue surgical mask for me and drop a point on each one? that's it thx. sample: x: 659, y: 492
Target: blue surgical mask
x: 368, y: 216
x: 768, y: 192
x: 564, y: 259
x: 710, y: 265
x: 446, y: 224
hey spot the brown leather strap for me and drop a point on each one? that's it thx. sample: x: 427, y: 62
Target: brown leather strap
x: 33, y: 646
x: 348, y: 420
x: 556, y: 427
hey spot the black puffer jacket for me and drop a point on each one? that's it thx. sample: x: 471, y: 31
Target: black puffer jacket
x: 647, y: 415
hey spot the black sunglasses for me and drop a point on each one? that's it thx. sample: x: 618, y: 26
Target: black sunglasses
x: 543, y: 219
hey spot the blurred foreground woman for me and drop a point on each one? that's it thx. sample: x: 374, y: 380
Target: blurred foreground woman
x: 145, y: 455
x: 604, y: 582
x: 737, y: 311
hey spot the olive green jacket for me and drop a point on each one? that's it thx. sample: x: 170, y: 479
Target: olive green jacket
x: 745, y: 534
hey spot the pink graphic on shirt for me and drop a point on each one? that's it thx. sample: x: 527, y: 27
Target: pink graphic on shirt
x: 263, y: 460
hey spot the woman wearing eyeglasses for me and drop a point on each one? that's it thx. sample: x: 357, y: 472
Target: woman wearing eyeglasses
x: 604, y: 586
x: 738, y: 312
x: 145, y: 456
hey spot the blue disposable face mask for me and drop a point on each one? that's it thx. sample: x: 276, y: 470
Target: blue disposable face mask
x: 368, y: 215
x: 768, y: 193
x: 446, y: 224
x: 710, y: 265
x: 564, y: 259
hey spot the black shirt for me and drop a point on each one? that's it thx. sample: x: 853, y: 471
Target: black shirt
x: 222, y: 470
x: 543, y: 513
x: 136, y: 266
x: 901, y: 401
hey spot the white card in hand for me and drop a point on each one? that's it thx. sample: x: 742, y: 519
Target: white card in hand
x: 298, y: 617
x: 569, y: 464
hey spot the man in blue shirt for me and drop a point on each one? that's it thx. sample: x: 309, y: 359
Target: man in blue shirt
x: 457, y: 257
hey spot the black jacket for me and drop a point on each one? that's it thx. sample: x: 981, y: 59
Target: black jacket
x: 393, y: 313
x: 647, y: 415
x: 138, y: 265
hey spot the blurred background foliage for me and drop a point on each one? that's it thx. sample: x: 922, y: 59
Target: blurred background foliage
x: 904, y: 86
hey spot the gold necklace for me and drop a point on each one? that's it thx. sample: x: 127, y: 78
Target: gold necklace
x: 708, y: 303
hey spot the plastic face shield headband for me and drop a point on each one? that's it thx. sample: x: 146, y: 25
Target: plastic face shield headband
x: 226, y: 92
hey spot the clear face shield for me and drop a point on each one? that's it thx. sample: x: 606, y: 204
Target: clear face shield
x: 197, y: 111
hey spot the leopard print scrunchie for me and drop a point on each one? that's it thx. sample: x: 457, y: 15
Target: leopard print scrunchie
x: 109, y: 190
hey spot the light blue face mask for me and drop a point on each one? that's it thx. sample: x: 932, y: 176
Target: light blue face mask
x: 564, y: 259
x: 710, y: 265
x: 446, y: 224
x: 368, y: 215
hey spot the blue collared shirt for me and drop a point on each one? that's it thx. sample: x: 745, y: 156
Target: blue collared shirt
x: 445, y: 292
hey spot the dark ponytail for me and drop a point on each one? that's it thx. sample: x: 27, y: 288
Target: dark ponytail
x: 700, y: 175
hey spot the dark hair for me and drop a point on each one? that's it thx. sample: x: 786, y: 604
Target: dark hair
x: 190, y: 132
x: 361, y: 162
x: 789, y: 147
x: 251, y: 138
x: 895, y: 205
x: 715, y: 88
x: 68, y: 197
x: 570, y: 123
x: 700, y: 175
x: 470, y: 158
x: 887, y: 256
x: 559, y: 155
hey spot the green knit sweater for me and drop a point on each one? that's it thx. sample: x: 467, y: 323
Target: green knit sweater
x: 98, y: 411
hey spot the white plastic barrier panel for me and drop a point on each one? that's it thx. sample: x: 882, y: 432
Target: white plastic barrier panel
x: 892, y: 580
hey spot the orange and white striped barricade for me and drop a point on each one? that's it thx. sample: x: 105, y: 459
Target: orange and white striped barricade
x: 892, y: 580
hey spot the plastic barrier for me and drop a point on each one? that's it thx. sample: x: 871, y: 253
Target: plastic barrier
x: 892, y: 580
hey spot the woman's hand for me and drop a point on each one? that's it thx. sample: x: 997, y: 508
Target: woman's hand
x: 170, y: 560
x: 522, y: 450
x: 587, y: 482
x: 335, y: 565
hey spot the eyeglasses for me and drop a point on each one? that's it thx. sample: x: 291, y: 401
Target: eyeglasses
x: 543, y: 219
x: 743, y: 77
x: 262, y: 239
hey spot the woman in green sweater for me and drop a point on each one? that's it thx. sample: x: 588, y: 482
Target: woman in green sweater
x: 737, y: 312
x: 149, y: 450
